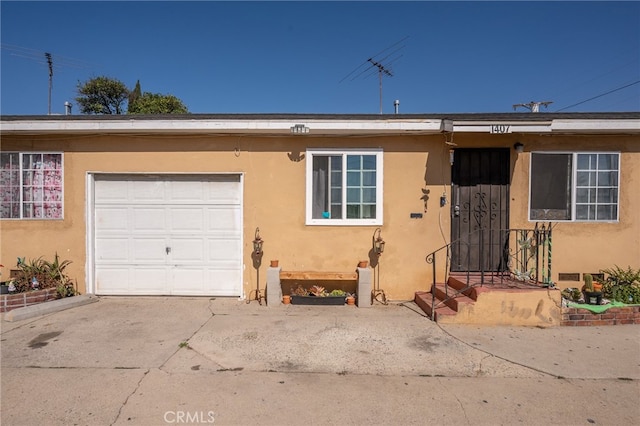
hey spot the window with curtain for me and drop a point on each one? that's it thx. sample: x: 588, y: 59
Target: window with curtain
x: 344, y: 187
x: 31, y: 185
x: 578, y: 186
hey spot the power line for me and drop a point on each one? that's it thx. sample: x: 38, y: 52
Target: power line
x: 599, y: 96
x: 38, y: 55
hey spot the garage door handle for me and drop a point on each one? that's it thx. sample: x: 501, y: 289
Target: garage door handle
x: 167, y: 249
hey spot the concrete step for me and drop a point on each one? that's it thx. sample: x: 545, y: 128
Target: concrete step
x: 424, y: 300
x: 459, y: 283
x: 450, y: 298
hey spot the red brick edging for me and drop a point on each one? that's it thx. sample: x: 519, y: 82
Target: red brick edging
x: 9, y: 302
x: 612, y: 316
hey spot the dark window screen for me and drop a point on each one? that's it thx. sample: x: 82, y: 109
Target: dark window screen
x: 550, y: 186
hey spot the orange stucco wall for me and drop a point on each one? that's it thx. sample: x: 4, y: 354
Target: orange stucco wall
x: 274, y: 200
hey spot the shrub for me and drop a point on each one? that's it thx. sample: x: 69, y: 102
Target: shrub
x: 46, y: 274
x: 622, y: 285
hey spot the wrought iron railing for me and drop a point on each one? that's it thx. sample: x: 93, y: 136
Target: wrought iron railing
x: 493, y: 256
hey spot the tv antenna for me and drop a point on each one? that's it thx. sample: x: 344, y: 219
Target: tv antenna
x: 380, y: 64
x: 50, y: 63
x: 45, y: 58
x: 533, y: 106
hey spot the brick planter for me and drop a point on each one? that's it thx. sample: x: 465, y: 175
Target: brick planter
x: 9, y: 302
x: 613, y: 316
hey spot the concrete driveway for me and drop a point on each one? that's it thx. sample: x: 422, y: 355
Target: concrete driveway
x: 155, y: 361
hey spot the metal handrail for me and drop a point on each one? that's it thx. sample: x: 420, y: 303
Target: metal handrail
x: 525, y: 256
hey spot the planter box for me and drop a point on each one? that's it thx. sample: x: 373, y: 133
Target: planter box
x: 315, y: 300
x: 9, y: 302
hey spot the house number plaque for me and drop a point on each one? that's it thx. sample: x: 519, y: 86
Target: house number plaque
x: 500, y: 128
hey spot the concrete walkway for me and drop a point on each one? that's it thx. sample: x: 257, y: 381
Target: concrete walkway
x: 150, y: 361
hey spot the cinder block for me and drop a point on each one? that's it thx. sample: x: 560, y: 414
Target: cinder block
x: 365, y: 286
x: 274, y: 289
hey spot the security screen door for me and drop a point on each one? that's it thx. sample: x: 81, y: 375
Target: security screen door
x: 479, y: 209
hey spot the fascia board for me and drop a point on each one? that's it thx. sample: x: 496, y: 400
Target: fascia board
x: 510, y: 126
x: 595, y: 126
x: 317, y: 127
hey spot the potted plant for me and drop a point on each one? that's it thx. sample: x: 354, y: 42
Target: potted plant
x: 316, y: 295
x: 591, y: 296
x: 622, y: 285
x: 351, y: 299
x: 4, y: 288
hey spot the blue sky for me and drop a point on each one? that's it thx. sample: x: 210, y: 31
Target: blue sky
x: 298, y: 57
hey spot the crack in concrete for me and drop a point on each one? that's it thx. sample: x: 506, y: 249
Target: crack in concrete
x: 537, y: 370
x: 464, y: 412
x: 124, y: 404
x: 479, y: 370
x: 213, y: 314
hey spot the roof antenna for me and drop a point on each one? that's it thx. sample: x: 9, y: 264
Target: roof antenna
x: 380, y: 64
x: 533, y: 106
x: 50, y: 62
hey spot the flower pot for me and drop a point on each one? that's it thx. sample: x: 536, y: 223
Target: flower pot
x: 274, y: 263
x: 363, y: 264
x: 351, y: 300
x: 593, y: 297
x: 286, y: 299
x: 315, y: 300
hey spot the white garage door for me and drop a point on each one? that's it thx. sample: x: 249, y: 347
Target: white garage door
x: 168, y: 235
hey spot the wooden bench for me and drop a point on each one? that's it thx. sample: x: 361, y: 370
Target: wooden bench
x: 360, y: 281
x: 318, y: 276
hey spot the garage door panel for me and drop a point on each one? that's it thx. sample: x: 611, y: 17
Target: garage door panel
x: 168, y: 234
x: 149, y: 219
x: 188, y: 192
x: 149, y: 250
x: 224, y: 218
x: 112, y: 250
x: 149, y: 190
x: 224, y: 193
x: 110, y: 191
x: 112, y: 281
x: 188, y: 281
x: 149, y: 281
x: 112, y: 219
x: 187, y: 219
x: 188, y: 250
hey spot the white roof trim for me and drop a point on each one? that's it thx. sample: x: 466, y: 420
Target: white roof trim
x: 211, y: 126
x: 595, y: 126
x: 316, y: 126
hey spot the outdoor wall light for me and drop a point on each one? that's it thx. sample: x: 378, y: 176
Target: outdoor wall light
x: 257, y: 242
x: 378, y: 242
x: 519, y: 147
x: 299, y: 129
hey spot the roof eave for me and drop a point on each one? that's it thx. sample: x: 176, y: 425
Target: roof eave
x: 208, y: 126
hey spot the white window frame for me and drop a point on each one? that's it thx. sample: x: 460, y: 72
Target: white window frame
x: 573, y: 195
x: 377, y: 221
x: 21, y: 201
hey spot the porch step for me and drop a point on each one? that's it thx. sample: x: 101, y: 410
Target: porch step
x: 498, y: 302
x: 423, y: 299
x: 459, y: 284
x: 452, y: 300
x: 449, y: 301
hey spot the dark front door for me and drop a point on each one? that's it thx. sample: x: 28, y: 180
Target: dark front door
x: 479, y: 209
